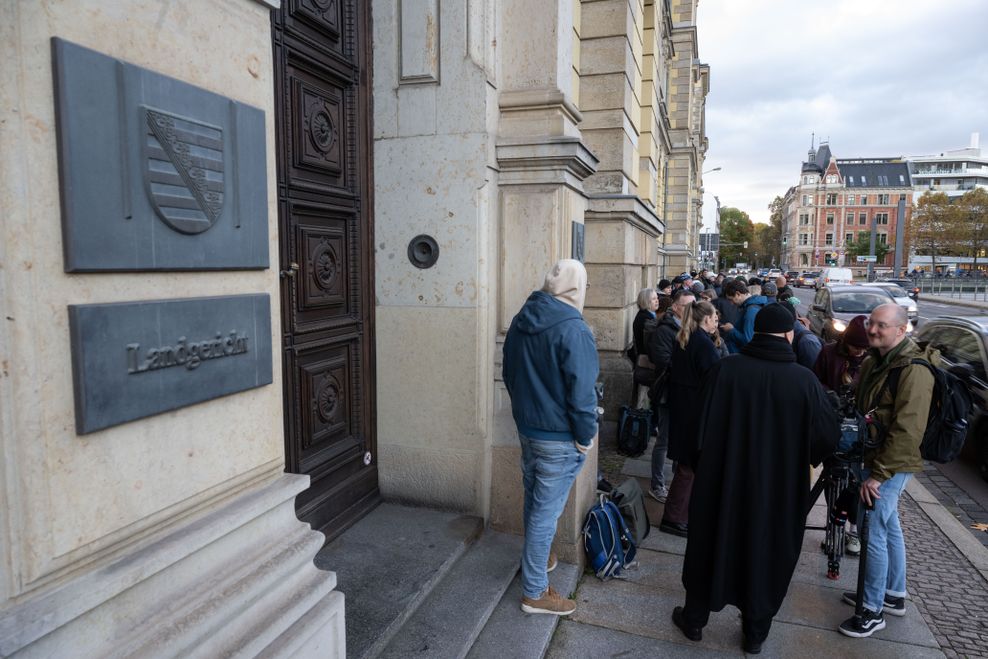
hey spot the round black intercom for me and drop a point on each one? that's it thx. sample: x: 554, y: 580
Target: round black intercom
x: 423, y: 251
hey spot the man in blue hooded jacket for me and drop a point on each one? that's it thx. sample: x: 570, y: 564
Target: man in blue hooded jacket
x: 737, y: 336
x: 550, y: 367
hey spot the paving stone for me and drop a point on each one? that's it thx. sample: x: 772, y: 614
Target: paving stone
x: 816, y: 606
x: 812, y: 569
x: 659, y: 541
x: 647, y: 611
x: 789, y: 640
x: 573, y: 639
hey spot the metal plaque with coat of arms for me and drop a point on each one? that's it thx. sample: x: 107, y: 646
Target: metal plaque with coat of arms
x: 155, y: 173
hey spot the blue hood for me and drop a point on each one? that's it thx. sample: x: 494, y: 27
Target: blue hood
x: 542, y: 311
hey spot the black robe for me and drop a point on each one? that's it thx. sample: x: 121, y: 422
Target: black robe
x: 764, y: 420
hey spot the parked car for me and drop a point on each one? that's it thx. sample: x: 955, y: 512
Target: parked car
x: 964, y: 341
x: 773, y: 273
x: 807, y: 279
x: 792, y: 276
x: 831, y: 276
x: 902, y: 298
x: 761, y: 273
x: 835, y: 306
x: 910, y: 287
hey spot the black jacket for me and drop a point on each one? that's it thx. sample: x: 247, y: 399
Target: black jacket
x: 637, y: 330
x: 764, y: 419
x: 686, y: 372
x: 660, y: 343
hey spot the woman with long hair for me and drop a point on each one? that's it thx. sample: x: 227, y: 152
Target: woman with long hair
x: 696, y: 350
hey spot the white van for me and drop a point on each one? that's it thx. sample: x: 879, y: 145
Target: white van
x: 830, y: 276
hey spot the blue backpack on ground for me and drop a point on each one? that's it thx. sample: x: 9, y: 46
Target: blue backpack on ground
x: 609, y: 544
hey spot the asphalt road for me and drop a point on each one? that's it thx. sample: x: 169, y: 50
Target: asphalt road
x: 957, y: 485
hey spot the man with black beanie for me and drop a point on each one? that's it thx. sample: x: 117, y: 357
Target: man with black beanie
x: 752, y: 484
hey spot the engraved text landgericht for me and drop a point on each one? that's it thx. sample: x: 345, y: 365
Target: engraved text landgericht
x: 184, y: 353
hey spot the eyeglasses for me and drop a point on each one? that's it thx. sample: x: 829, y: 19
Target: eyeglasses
x: 882, y: 326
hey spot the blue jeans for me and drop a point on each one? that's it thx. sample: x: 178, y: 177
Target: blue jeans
x: 548, y: 470
x: 885, y: 573
x: 661, y: 413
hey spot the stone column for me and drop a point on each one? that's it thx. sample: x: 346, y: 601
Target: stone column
x: 543, y: 163
x: 620, y: 103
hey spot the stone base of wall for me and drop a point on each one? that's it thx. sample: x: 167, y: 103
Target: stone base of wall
x: 508, y: 502
x: 239, y: 580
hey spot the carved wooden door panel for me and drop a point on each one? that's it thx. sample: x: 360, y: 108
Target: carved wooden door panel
x: 322, y: 94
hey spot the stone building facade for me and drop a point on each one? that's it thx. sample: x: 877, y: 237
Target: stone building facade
x: 423, y: 164
x: 838, y: 199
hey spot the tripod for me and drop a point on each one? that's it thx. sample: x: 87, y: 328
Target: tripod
x: 839, y: 485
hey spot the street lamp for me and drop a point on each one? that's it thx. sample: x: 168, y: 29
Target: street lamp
x: 715, y: 169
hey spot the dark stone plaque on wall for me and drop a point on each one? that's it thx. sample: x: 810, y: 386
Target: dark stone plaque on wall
x: 135, y: 359
x: 155, y: 174
x: 579, y: 243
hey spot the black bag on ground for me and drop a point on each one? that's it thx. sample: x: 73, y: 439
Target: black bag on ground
x: 630, y: 502
x: 634, y: 427
x: 946, y: 427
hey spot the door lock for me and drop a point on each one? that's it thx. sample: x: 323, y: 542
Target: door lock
x: 292, y: 270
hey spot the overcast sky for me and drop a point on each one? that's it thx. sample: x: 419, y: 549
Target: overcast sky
x: 877, y: 78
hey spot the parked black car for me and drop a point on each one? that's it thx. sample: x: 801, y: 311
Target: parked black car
x: 964, y: 341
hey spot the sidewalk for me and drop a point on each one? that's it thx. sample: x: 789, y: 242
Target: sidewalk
x: 947, y: 613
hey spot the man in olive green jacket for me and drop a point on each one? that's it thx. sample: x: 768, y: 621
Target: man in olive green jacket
x: 889, y: 467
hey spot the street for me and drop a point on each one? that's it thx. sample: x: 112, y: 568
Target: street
x: 957, y: 485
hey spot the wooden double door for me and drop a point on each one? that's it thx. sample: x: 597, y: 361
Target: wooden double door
x: 322, y: 118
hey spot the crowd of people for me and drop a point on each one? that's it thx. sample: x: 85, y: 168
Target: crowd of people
x: 743, y: 402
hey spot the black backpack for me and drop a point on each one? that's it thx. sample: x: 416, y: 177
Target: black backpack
x: 946, y: 426
x: 634, y: 428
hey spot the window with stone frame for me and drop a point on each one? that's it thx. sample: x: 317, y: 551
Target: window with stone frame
x: 830, y: 218
x: 804, y: 239
x: 848, y: 237
x: 850, y: 199
x: 831, y: 198
x: 883, y: 238
x: 883, y: 199
x: 804, y: 219
x: 828, y: 239
x: 863, y: 218
x: 882, y: 218
x: 849, y: 219
x: 864, y: 199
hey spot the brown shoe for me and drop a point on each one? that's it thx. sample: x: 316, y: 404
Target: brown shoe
x: 551, y: 602
x: 553, y: 562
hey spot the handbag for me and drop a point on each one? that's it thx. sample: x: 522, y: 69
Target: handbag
x: 644, y: 372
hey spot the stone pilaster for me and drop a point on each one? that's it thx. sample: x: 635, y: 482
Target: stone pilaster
x: 542, y: 162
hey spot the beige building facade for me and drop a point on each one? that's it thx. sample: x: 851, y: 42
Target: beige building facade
x: 425, y: 163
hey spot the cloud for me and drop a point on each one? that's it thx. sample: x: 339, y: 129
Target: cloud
x: 875, y: 77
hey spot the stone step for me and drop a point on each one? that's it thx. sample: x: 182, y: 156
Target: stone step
x: 450, y: 619
x: 389, y: 563
x: 510, y: 632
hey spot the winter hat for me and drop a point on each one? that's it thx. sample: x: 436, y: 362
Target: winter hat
x: 770, y: 289
x: 679, y: 279
x: 774, y: 319
x: 754, y: 281
x: 855, y: 334
x: 664, y: 283
x: 567, y: 282
x: 697, y: 287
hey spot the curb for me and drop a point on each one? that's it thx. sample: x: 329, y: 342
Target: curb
x: 973, y: 304
x: 958, y: 534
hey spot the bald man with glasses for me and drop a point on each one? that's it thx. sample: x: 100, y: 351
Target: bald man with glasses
x: 899, y: 415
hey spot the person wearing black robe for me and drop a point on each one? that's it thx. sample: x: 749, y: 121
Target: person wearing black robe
x: 751, y: 490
